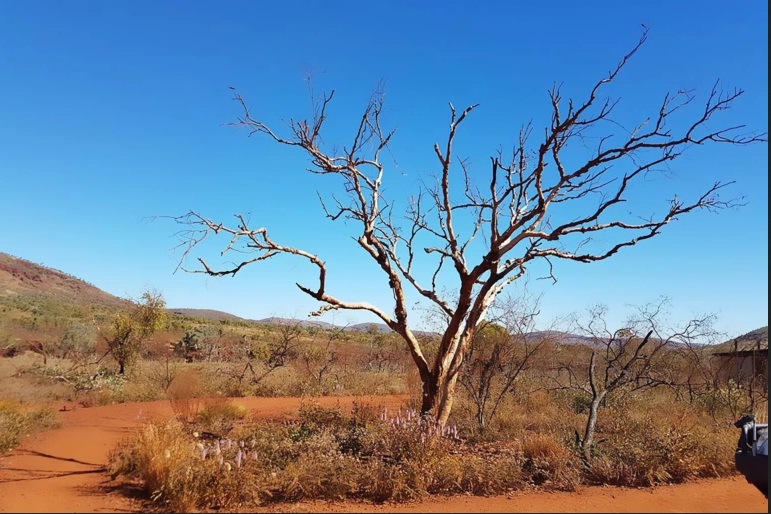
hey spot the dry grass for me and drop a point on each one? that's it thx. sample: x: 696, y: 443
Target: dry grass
x: 19, y: 385
x: 643, y: 445
x: 17, y: 421
x: 199, y: 409
x: 549, y: 461
x: 398, y: 456
x: 367, y: 454
x: 322, y: 455
x: 169, y: 464
x: 186, y: 394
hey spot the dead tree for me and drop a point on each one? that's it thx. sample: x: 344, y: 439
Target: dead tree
x: 273, y: 355
x: 622, y: 362
x: 540, y: 205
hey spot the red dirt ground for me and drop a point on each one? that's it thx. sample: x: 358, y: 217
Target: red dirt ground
x: 63, y: 470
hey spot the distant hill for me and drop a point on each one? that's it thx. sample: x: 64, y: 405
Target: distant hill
x: 291, y: 321
x: 381, y: 328
x: 366, y: 327
x: 561, y: 337
x: 206, y: 314
x: 753, y: 340
x: 20, y: 277
x: 759, y: 334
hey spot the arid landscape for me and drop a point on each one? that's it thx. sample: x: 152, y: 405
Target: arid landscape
x: 64, y: 470
x: 76, y: 430
x: 383, y: 257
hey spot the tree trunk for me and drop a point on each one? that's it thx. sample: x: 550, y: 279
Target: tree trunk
x: 591, y: 424
x: 430, y: 389
x: 446, y: 398
x: 438, y: 396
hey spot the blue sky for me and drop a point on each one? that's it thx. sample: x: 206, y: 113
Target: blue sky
x: 115, y: 113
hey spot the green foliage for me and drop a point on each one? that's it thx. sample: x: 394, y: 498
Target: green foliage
x: 78, y: 342
x: 200, y: 343
x: 131, y: 330
x: 189, y: 347
x: 40, y: 312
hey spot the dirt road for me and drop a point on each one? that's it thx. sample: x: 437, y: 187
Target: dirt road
x: 63, y: 470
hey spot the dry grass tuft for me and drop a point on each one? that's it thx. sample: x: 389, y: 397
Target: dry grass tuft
x: 643, y: 447
x: 548, y: 461
x: 17, y: 421
x: 186, y: 394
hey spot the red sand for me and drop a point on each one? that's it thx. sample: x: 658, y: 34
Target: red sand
x: 62, y: 470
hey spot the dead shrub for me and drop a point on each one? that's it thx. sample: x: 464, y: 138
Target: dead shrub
x: 549, y: 462
x: 644, y: 447
x: 186, y: 394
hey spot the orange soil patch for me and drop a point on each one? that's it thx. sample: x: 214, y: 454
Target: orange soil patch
x: 63, y: 470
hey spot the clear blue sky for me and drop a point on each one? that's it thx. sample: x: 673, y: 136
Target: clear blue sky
x: 112, y: 113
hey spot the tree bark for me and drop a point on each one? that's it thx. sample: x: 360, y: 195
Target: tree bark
x: 591, y: 424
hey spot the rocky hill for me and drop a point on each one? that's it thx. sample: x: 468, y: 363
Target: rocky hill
x: 22, y: 278
x: 206, y: 314
x: 754, y: 340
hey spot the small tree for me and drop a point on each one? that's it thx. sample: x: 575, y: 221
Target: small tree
x: 319, y: 357
x: 724, y: 384
x: 200, y: 343
x: 130, y: 330
x: 78, y: 342
x: 270, y: 355
x: 383, y: 354
x: 622, y: 362
x: 500, y: 352
x: 560, y: 198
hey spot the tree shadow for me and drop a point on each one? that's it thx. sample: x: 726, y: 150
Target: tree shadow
x: 28, y: 474
x: 125, y: 490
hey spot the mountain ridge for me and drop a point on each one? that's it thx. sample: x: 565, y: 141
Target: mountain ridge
x: 19, y: 276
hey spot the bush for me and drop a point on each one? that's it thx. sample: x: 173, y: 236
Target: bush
x: 17, y: 421
x: 186, y: 394
x: 322, y: 455
x: 549, y: 461
x: 644, y: 448
x: 175, y: 475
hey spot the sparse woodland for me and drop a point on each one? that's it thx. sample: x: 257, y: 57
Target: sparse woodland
x: 527, y: 414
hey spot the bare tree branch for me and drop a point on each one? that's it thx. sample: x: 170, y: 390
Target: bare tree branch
x: 541, y: 205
